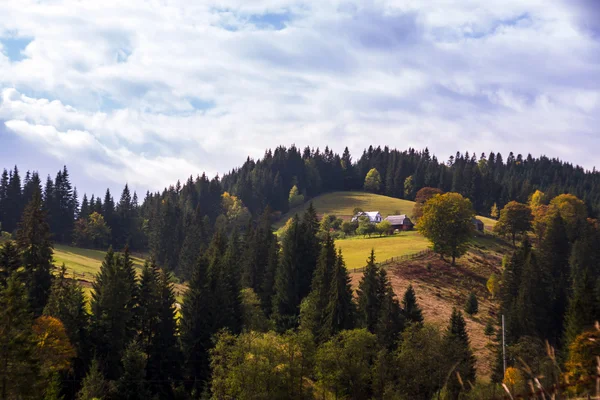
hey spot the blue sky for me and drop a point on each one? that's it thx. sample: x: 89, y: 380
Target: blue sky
x: 122, y: 92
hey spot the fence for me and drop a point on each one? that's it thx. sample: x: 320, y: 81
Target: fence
x: 406, y: 257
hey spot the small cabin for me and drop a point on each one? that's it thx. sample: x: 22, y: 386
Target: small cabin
x: 374, y: 216
x: 400, y: 222
x: 478, y: 224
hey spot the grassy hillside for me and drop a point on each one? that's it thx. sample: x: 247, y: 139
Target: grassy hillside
x: 84, y: 263
x: 342, y: 204
x: 440, y: 287
x: 356, y: 250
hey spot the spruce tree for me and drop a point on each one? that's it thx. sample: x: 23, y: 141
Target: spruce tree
x: 10, y: 261
x: 410, y: 309
x: 391, y: 321
x: 554, y: 270
x: 53, y: 390
x: 583, y: 310
x: 285, y: 297
x: 68, y: 304
x: 163, y: 369
x: 268, y: 281
x: 472, y: 305
x: 459, y: 352
x: 94, y: 386
x: 194, y: 241
x: 148, y: 311
x: 340, y: 311
x: 309, y: 248
x: 196, y: 327
x: 113, y: 308
x: 315, y: 307
x: 35, y: 246
x: 18, y: 367
x: 369, y: 295
x: 132, y: 384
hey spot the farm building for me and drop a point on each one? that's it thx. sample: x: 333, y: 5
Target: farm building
x: 478, y: 224
x: 400, y: 222
x: 374, y: 216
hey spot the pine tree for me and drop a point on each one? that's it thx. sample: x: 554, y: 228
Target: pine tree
x: 164, y: 355
x: 13, y: 204
x: 285, y: 298
x: 3, y: 199
x: 67, y: 303
x: 18, y: 367
x: 194, y: 241
x: 340, y: 311
x: 94, y: 386
x: 369, y: 295
x: 85, y: 210
x: 53, y: 390
x: 583, y: 310
x: 10, y: 261
x: 309, y: 249
x: 132, y: 384
x: 149, y: 304
x: 35, y: 246
x: 472, y: 305
x: 410, y: 309
x: 554, y: 270
x: 390, y: 323
x: 268, y: 281
x: 228, y: 282
x: 196, y: 329
x: 459, y: 352
x: 315, y: 307
x: 112, y: 305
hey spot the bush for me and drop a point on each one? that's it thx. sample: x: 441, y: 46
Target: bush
x: 472, y: 306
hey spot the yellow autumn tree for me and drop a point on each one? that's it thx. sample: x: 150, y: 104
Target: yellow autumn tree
x: 514, y: 380
x: 54, y: 350
x: 493, y: 285
x: 573, y: 211
x: 581, y: 367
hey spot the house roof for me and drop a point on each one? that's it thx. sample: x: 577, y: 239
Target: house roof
x: 399, y: 219
x: 371, y: 214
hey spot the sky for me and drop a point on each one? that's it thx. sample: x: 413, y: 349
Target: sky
x: 149, y: 92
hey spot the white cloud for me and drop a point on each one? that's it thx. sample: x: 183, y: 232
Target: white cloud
x: 156, y: 92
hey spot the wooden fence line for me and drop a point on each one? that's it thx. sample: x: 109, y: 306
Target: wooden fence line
x: 405, y: 257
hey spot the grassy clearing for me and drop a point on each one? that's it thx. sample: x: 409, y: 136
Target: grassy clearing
x: 342, y: 204
x: 356, y: 250
x: 84, y: 263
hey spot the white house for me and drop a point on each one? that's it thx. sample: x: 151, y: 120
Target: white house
x: 374, y: 216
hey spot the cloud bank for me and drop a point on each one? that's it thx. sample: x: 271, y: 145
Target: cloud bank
x: 151, y: 92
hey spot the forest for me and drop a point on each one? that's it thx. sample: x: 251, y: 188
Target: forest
x: 268, y: 317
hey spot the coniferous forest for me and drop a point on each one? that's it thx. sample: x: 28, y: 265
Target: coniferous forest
x: 268, y: 317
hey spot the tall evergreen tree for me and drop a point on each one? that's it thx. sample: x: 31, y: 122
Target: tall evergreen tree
x: 309, y: 248
x: 132, y: 384
x: 35, y: 246
x: 18, y: 367
x: 13, y: 203
x: 410, y: 309
x: 196, y: 329
x: 10, y: 261
x: 94, y: 386
x: 340, y: 311
x: 391, y: 320
x: 554, y: 266
x: 583, y: 310
x: 314, y: 309
x: 459, y: 351
x: 369, y: 295
x: 113, y: 311
x: 285, y: 298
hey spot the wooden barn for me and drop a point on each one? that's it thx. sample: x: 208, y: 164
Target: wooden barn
x: 478, y: 224
x: 400, y: 222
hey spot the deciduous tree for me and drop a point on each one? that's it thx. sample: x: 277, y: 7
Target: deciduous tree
x: 446, y: 222
x: 515, y: 218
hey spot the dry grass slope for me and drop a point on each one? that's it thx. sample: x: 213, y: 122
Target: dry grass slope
x: 440, y: 287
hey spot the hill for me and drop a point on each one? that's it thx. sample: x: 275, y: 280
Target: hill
x: 342, y: 204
